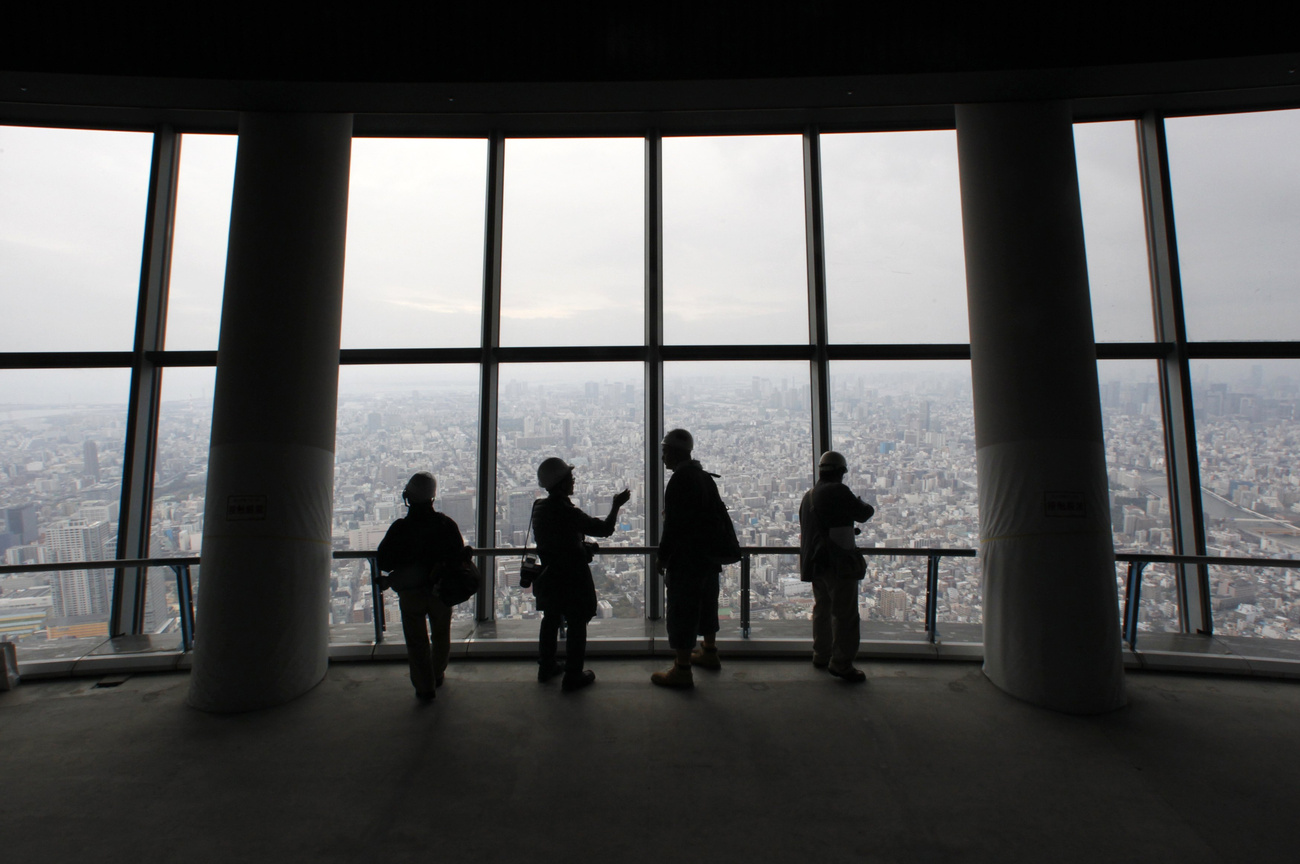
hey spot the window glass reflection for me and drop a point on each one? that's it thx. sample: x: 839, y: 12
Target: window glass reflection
x: 572, y: 259
x: 1235, y: 181
x: 62, y: 435
x: 204, y: 187
x: 72, y: 218
x: 592, y: 415
x: 735, y: 268
x: 414, y: 272
x: 1110, y: 190
x: 895, y: 266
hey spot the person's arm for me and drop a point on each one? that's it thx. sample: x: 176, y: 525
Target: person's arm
x: 390, y: 548
x: 594, y: 527
x: 853, y: 506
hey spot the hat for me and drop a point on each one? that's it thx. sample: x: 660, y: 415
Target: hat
x: 681, y: 439
x: 832, y: 461
x: 552, y: 471
x: 420, y: 488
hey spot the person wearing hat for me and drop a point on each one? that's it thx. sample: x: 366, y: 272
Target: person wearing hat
x: 565, y: 588
x: 691, y: 507
x: 411, y: 548
x: 827, y: 559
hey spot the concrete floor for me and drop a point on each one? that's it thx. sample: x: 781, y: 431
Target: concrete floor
x: 767, y: 760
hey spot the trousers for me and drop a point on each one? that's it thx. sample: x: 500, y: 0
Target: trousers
x: 692, y: 605
x: 423, y: 613
x: 837, y: 625
x: 575, y: 641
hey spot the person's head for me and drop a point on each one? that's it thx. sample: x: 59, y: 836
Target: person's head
x: 420, y: 489
x: 832, y: 466
x: 555, y: 475
x: 676, y: 447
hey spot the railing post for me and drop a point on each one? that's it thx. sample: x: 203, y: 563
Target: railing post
x: 185, y: 600
x: 377, y: 600
x: 931, y: 596
x: 744, y: 595
x: 1132, y: 601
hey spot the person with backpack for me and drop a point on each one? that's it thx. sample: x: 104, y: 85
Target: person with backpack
x: 829, y: 560
x: 698, y: 538
x: 565, y: 587
x: 413, y: 546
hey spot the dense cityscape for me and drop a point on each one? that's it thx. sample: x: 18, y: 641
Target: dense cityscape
x: 909, y: 441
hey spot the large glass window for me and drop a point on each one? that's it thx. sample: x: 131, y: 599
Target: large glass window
x: 61, y: 445
x: 735, y: 255
x: 592, y: 415
x: 895, y: 268
x: 1110, y: 190
x: 414, y: 272
x: 1135, y: 462
x: 392, y: 422
x: 907, y: 429
x: 1235, y: 179
x: 204, y: 186
x: 72, y: 216
x: 752, y: 426
x: 572, y: 259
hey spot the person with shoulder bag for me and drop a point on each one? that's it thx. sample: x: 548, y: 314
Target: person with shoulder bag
x: 416, y: 549
x: 565, y: 588
x: 829, y: 559
x: 698, y: 538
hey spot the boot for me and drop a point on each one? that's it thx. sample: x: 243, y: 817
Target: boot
x: 706, y: 658
x: 676, y: 676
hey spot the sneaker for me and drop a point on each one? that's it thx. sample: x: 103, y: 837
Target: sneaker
x: 546, y: 673
x: 706, y: 658
x: 425, y: 696
x: 577, y: 682
x: 820, y: 664
x: 677, y: 677
x: 851, y: 675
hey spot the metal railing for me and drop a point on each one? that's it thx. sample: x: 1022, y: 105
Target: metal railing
x: 180, y: 566
x: 1137, y: 564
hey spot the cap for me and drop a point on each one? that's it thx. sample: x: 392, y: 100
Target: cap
x: 552, y: 471
x: 420, y: 488
x: 681, y: 439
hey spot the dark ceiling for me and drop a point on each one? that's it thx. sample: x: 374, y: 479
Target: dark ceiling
x: 537, y: 42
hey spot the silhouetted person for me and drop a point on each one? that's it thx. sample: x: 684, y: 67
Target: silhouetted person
x: 691, y: 509
x: 827, y: 560
x: 410, y: 550
x: 565, y: 587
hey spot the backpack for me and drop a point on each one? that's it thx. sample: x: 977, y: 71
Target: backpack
x: 724, y: 547
x: 456, y: 581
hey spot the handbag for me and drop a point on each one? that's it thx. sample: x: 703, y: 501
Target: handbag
x: 457, y: 580
x: 530, y: 567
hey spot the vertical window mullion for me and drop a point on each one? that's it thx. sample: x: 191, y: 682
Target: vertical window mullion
x: 490, y: 373
x: 817, y: 320
x: 1175, y: 376
x: 654, y: 366
x: 127, y: 611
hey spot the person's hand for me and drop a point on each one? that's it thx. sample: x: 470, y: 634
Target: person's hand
x: 622, y: 498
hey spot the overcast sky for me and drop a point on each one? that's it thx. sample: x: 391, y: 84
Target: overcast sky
x: 72, y: 208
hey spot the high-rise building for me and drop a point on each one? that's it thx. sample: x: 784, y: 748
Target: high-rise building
x: 79, y: 592
x: 90, y: 460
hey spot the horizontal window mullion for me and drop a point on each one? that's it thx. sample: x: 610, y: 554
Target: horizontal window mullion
x: 66, y: 359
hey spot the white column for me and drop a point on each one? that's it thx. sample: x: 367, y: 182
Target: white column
x: 1051, y: 614
x: 262, y: 630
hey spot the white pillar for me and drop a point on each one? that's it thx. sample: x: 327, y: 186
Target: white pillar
x: 1051, y: 614
x: 262, y: 630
